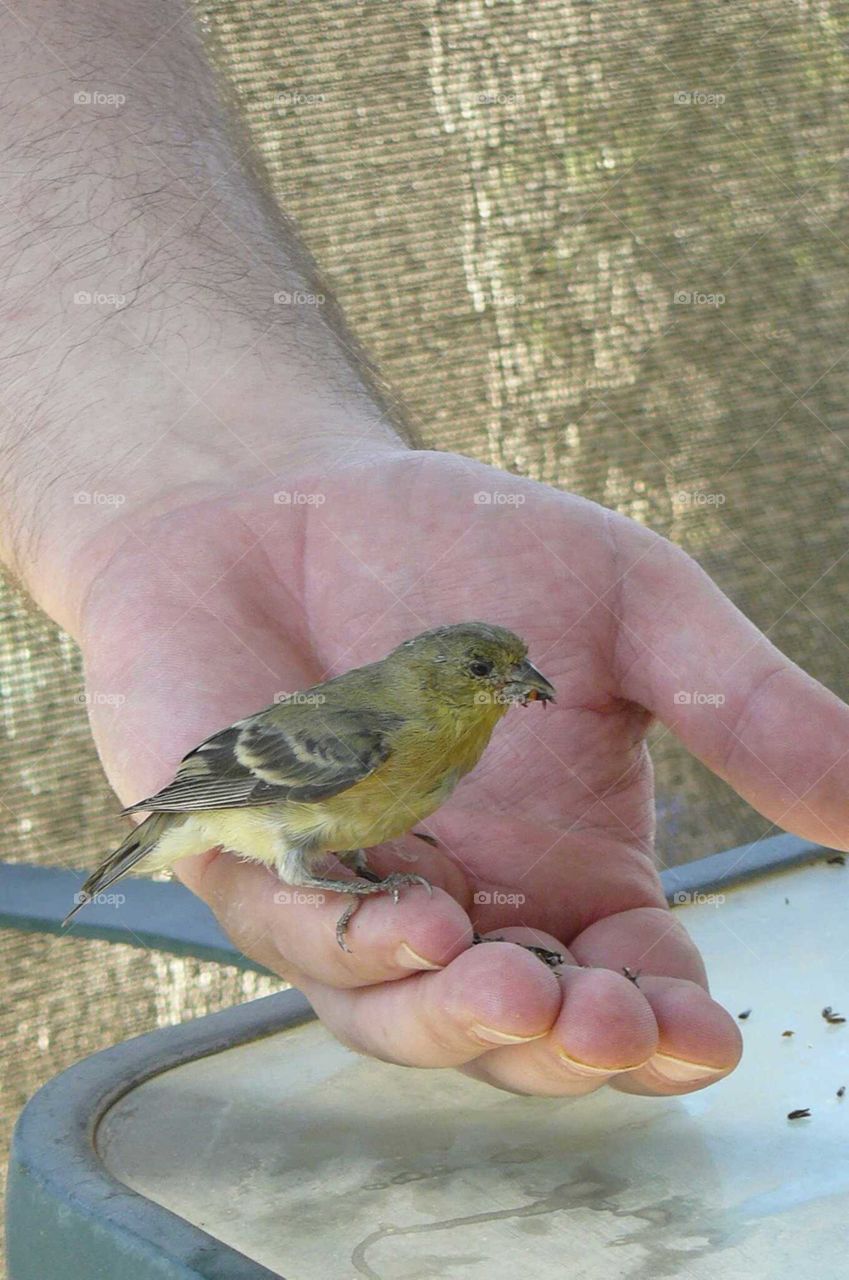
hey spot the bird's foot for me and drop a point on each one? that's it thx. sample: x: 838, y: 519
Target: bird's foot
x: 395, y: 882
x: 392, y: 884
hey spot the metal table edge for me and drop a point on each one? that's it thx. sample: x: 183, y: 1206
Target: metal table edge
x: 58, y: 1181
x: 64, y: 1208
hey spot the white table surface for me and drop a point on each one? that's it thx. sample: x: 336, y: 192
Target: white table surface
x: 318, y: 1163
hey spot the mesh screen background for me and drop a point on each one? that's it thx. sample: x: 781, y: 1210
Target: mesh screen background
x: 508, y: 199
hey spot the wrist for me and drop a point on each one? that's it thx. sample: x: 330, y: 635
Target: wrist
x: 164, y: 336
x: 243, y: 437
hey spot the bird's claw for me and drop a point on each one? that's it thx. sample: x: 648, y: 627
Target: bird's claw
x: 342, y: 925
x: 395, y: 882
x: 392, y: 884
x: 409, y: 878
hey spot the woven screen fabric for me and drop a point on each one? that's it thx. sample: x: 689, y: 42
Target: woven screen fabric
x: 605, y: 245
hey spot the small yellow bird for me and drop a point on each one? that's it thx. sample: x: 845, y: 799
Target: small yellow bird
x: 346, y: 764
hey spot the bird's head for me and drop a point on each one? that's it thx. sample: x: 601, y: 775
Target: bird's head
x: 474, y: 664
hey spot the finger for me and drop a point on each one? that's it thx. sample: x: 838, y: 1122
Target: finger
x: 755, y: 718
x: 605, y: 1027
x: 489, y: 995
x: 292, y: 931
x: 643, y: 940
x: 698, y: 1041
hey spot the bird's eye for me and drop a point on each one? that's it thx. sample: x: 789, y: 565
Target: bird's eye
x: 480, y: 667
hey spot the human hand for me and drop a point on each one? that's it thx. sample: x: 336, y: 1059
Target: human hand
x: 206, y: 613
x: 198, y: 387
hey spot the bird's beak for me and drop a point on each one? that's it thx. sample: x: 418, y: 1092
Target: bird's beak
x: 526, y: 684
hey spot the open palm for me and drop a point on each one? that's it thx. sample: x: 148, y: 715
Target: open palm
x: 209, y: 612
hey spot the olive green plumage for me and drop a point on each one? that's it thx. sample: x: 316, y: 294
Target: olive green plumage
x: 345, y: 764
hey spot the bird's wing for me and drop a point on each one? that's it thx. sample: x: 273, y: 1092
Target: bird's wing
x: 310, y: 755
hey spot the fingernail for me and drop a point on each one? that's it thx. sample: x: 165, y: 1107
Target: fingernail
x: 680, y: 1071
x: 585, y: 1069
x: 407, y: 958
x: 492, y: 1036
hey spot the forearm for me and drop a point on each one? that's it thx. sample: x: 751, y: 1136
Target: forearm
x: 162, y: 332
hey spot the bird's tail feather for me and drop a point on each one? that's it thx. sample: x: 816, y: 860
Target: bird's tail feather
x: 137, y: 845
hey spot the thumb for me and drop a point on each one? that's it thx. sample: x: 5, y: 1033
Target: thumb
x: 685, y: 652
